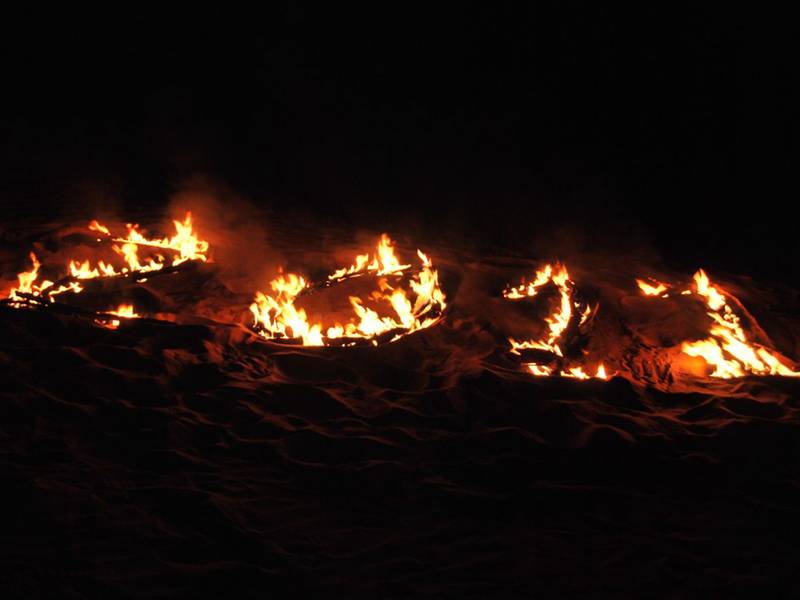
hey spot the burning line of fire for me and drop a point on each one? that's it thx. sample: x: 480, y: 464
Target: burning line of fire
x: 726, y: 349
x: 557, y: 322
x: 277, y: 317
x: 125, y: 311
x: 185, y: 245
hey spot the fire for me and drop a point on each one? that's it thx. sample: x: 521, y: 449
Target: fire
x: 95, y: 226
x: 123, y: 310
x: 27, y: 280
x: 185, y: 242
x: 384, y: 262
x: 651, y: 290
x: 557, y: 322
x: 726, y: 349
x: 601, y: 372
x: 185, y: 245
x: 574, y: 372
x: 277, y: 317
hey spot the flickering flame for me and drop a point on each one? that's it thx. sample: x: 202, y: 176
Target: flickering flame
x: 574, y: 372
x: 557, y: 322
x: 96, y: 226
x: 277, y: 317
x: 185, y: 246
x: 384, y: 262
x: 651, y: 290
x: 727, y: 348
x: 185, y: 242
x: 123, y: 310
x: 26, y: 280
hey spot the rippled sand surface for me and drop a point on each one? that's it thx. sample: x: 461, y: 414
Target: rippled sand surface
x: 174, y: 459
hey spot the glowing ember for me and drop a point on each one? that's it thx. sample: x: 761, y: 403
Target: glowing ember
x: 277, y: 317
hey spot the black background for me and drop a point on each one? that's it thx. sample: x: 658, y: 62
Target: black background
x: 670, y: 128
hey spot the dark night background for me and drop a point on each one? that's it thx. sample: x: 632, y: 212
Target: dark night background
x: 661, y: 131
x: 665, y: 127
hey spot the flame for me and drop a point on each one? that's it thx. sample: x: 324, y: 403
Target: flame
x: 185, y: 244
x: 651, y: 290
x: 384, y: 262
x: 26, y: 280
x: 123, y: 310
x: 539, y: 370
x: 557, y: 322
x: 574, y: 372
x: 277, y: 317
x: 727, y: 348
x: 96, y: 226
x: 543, y: 276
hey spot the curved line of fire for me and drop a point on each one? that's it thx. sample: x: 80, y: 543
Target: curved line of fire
x: 422, y: 305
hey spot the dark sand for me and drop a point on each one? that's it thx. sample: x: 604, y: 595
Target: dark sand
x: 192, y: 458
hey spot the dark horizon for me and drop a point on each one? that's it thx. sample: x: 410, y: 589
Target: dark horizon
x: 662, y: 131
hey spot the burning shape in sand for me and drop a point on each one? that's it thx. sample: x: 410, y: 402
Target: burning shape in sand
x: 726, y: 349
x: 408, y: 300
x: 568, y: 313
x: 182, y: 247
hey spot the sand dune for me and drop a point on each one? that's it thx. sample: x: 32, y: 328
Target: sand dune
x: 173, y: 458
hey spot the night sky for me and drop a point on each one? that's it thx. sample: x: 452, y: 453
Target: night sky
x: 665, y: 129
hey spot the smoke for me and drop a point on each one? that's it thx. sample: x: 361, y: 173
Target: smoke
x: 237, y: 231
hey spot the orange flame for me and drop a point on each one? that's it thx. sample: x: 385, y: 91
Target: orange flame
x: 123, y: 310
x: 574, y: 372
x: 727, y: 348
x: 651, y: 290
x: 557, y: 322
x: 277, y: 317
x: 26, y: 280
x: 184, y: 243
